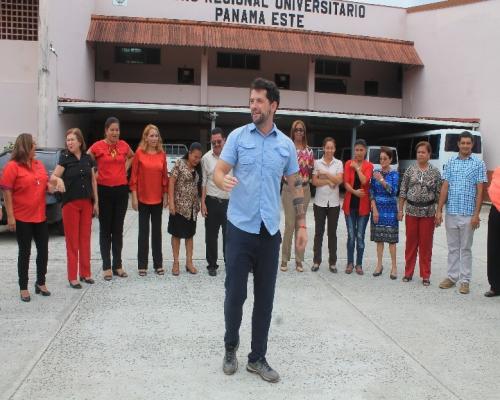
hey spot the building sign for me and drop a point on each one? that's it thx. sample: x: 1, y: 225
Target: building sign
x: 279, y: 13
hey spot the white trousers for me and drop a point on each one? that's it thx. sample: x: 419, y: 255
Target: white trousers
x: 459, y: 234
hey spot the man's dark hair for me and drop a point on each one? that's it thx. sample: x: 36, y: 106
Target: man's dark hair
x: 272, y: 91
x: 218, y: 131
x: 466, y: 134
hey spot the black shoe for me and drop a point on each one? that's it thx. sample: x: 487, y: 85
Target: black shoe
x: 26, y: 299
x: 212, y: 271
x: 90, y: 281
x: 40, y: 291
x: 230, y: 362
x: 491, y: 293
x: 262, y: 368
x: 75, y: 285
x: 379, y: 272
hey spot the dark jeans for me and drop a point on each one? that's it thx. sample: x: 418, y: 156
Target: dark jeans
x: 113, y: 202
x: 244, y: 252
x: 216, y: 219
x: 320, y: 216
x: 25, y: 232
x: 493, y: 249
x: 147, y: 213
x: 356, y: 227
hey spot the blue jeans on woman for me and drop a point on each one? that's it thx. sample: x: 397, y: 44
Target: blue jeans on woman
x: 356, y: 226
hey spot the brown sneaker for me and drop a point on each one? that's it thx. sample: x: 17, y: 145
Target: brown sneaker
x: 446, y: 284
x: 284, y: 266
x: 464, y: 288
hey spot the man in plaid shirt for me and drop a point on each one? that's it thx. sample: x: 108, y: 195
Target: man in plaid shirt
x: 464, y: 176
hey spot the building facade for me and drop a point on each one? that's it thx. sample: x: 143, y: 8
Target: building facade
x: 348, y: 69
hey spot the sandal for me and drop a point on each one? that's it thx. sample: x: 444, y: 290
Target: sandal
x: 284, y: 266
x: 120, y: 272
x: 175, y: 268
x: 191, y: 269
x: 299, y: 267
x: 143, y: 272
x: 426, y: 282
x: 107, y: 275
x: 159, y: 271
x: 407, y: 279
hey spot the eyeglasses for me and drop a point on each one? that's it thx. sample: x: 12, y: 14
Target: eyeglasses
x: 299, y: 130
x: 216, y: 142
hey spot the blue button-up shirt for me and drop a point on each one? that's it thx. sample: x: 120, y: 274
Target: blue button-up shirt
x: 462, y: 176
x: 259, y: 161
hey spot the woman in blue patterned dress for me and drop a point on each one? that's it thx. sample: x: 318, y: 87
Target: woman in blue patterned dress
x: 384, y: 204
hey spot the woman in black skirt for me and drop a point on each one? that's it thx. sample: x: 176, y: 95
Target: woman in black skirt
x: 184, y: 190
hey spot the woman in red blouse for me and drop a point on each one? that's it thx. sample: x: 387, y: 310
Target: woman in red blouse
x: 24, y: 182
x: 113, y: 157
x: 305, y: 158
x: 149, y: 184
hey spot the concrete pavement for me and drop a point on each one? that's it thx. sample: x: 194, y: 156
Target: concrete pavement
x: 333, y: 336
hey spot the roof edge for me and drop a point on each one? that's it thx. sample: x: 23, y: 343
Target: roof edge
x: 441, y: 5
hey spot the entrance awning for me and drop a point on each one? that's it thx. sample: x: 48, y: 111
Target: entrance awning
x: 167, y: 32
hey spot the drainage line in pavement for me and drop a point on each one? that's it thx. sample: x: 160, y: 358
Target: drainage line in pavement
x: 63, y: 323
x: 347, y: 300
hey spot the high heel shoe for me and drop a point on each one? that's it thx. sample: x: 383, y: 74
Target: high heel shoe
x: 191, y: 269
x: 90, y: 281
x: 379, y: 272
x: 38, y: 290
x: 75, y: 285
x: 175, y: 268
x: 26, y: 299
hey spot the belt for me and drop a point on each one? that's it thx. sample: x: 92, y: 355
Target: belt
x: 420, y: 204
x: 217, y: 199
x: 304, y: 184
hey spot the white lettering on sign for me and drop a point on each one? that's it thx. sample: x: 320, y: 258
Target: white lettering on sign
x: 282, y: 13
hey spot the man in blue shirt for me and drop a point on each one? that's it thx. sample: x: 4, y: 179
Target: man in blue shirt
x: 259, y: 155
x: 464, y: 176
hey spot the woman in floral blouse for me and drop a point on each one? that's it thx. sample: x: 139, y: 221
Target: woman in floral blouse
x: 305, y: 158
x: 184, y: 189
x: 420, y: 189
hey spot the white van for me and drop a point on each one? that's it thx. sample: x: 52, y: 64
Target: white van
x: 373, y: 155
x: 173, y: 152
x: 444, y: 144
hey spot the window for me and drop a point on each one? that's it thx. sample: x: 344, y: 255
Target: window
x: 326, y: 85
x: 238, y: 61
x: 451, y: 143
x: 371, y: 88
x: 282, y: 81
x: 137, y: 55
x: 19, y: 20
x: 185, y: 75
x: 434, y: 142
x: 405, y: 149
x: 332, y: 67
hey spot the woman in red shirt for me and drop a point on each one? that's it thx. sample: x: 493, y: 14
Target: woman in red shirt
x: 149, y: 184
x: 357, y: 175
x: 24, y: 182
x: 113, y: 157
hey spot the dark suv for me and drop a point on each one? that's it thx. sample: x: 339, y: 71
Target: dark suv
x: 49, y: 158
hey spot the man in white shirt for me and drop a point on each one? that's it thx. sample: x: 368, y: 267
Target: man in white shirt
x: 214, y: 202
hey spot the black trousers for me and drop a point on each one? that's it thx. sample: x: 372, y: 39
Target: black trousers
x: 147, y: 213
x: 493, y: 249
x: 216, y: 219
x: 25, y: 232
x: 246, y: 251
x: 321, y: 214
x: 113, y: 202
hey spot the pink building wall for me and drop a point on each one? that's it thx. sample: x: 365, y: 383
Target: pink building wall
x: 18, y: 88
x: 459, y: 47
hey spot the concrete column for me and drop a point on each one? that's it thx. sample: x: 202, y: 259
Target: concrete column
x: 43, y: 73
x: 311, y: 84
x: 204, y: 78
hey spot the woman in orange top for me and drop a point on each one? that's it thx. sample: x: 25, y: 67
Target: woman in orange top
x: 493, y: 250
x: 149, y: 184
x: 24, y: 183
x: 113, y: 157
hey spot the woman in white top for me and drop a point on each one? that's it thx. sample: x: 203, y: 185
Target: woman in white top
x: 327, y: 176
